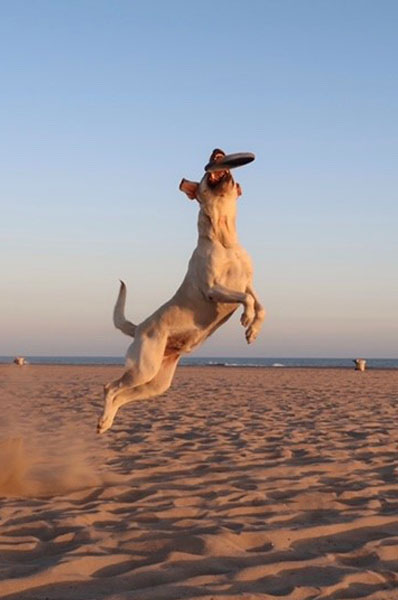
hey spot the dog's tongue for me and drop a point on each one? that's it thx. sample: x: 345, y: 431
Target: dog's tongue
x: 219, y: 161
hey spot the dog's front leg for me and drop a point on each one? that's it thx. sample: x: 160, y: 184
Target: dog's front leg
x: 219, y: 293
x: 259, y: 310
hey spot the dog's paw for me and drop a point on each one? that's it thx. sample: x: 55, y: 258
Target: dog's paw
x: 251, y: 334
x: 103, y: 425
x: 247, y: 317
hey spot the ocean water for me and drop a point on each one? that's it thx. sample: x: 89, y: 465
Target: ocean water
x: 342, y: 363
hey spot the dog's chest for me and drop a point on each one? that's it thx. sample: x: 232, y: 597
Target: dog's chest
x: 231, y: 268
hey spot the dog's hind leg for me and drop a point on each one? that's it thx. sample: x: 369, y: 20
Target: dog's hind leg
x: 127, y: 392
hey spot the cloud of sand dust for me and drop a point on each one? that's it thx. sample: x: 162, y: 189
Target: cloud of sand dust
x: 42, y: 465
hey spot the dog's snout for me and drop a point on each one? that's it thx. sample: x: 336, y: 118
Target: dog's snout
x: 216, y: 155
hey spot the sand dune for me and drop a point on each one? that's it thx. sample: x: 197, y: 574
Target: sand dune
x: 238, y: 483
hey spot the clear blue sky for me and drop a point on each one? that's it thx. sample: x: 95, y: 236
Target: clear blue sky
x: 105, y: 105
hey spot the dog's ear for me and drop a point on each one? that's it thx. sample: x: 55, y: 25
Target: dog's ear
x: 189, y: 188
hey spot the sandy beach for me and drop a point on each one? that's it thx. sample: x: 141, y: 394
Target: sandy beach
x: 237, y: 483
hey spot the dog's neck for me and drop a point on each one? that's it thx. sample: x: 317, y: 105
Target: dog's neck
x: 217, y: 223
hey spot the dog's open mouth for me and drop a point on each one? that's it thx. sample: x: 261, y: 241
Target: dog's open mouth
x: 213, y: 179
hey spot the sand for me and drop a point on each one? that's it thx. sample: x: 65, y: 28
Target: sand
x: 237, y: 483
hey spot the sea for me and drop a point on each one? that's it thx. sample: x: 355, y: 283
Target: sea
x: 219, y: 361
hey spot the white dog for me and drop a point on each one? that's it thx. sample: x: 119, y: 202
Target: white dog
x: 219, y: 278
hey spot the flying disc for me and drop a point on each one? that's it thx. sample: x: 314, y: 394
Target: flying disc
x: 230, y: 161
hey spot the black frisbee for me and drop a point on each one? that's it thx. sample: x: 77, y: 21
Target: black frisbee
x: 230, y: 161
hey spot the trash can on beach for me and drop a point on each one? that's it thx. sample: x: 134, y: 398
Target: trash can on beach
x: 360, y: 364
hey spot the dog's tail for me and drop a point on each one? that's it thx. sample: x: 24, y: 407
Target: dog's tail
x: 119, y: 319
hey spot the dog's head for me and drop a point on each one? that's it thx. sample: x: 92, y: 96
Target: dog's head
x: 214, y: 184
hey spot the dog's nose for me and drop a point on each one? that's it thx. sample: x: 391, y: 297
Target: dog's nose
x: 217, y: 154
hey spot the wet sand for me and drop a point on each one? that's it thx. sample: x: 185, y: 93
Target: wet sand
x: 237, y: 483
